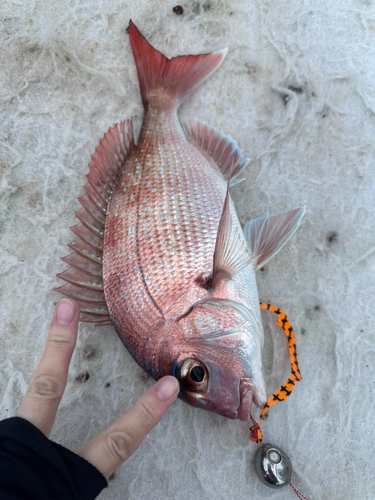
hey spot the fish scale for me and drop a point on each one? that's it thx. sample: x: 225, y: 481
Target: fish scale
x: 190, y: 235
x: 178, y: 271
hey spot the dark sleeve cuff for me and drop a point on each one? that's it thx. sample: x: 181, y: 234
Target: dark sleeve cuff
x: 33, y: 467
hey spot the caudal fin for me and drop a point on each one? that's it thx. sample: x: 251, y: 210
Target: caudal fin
x: 178, y: 77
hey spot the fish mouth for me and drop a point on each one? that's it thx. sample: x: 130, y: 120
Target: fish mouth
x: 232, y: 414
x: 248, y: 394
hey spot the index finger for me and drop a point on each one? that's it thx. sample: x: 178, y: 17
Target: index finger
x: 116, y: 444
x: 46, y: 388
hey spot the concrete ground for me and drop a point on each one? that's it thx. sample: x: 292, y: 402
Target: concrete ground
x: 297, y: 92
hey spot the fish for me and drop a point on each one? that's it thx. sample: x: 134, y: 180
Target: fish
x: 160, y: 252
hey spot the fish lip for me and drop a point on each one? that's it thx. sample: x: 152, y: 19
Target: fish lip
x: 259, y: 399
x: 232, y: 414
x: 247, y: 393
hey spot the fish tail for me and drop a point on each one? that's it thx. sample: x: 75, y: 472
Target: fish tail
x: 178, y: 77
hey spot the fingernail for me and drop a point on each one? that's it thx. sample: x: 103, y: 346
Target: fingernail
x: 65, y: 312
x: 167, y: 388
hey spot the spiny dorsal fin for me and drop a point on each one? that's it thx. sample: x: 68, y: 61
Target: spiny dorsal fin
x: 222, y: 149
x: 231, y: 254
x: 267, y: 235
x: 84, y: 277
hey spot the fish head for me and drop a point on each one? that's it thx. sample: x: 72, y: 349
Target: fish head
x: 217, y: 388
x: 219, y: 364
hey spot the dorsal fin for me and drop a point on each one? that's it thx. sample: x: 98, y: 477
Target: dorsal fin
x: 222, y: 149
x: 231, y: 254
x: 84, y: 277
x: 267, y: 235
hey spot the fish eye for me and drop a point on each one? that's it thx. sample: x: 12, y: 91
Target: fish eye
x: 197, y: 373
x: 193, y: 375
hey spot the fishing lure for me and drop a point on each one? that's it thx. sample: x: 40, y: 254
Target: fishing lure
x: 272, y: 464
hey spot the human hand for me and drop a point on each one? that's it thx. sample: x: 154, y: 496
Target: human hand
x: 40, y: 403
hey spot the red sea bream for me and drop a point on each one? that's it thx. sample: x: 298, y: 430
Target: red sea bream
x: 160, y: 251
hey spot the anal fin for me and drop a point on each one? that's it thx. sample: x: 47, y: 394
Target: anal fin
x: 220, y: 147
x: 84, y: 277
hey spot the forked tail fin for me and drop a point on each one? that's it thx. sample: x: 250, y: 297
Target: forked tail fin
x: 178, y: 77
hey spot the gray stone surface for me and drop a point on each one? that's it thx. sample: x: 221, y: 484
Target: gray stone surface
x: 297, y: 92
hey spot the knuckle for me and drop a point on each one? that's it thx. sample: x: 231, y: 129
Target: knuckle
x: 147, y: 414
x: 119, y: 445
x: 60, y: 339
x: 47, y: 386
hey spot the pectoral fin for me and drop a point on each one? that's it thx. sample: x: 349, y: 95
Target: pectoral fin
x: 231, y: 254
x: 241, y: 309
x: 267, y: 235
